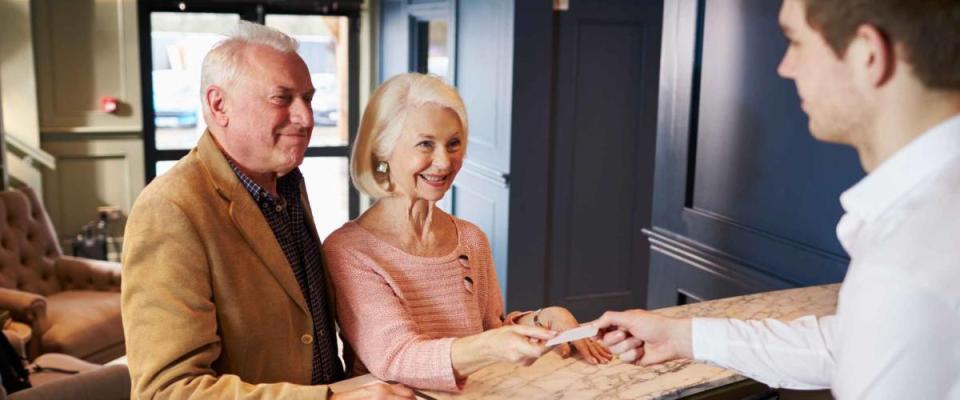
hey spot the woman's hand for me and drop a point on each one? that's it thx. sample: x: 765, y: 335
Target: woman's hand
x: 560, y: 319
x: 510, y: 343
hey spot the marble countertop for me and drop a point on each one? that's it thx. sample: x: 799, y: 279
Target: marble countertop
x: 555, y: 378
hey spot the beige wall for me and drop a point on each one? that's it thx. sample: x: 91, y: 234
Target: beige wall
x: 92, y: 171
x: 18, y: 87
x: 85, y: 50
x: 17, y: 79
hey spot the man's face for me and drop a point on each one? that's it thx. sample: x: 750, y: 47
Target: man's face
x: 835, y: 108
x: 268, y: 110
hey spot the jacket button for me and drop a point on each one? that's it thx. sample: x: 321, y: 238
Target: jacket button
x: 306, y: 338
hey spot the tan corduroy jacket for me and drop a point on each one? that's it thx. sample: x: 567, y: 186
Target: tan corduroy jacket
x: 211, y: 307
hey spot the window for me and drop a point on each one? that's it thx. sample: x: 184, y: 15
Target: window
x: 175, y: 36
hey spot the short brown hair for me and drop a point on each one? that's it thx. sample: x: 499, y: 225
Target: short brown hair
x: 928, y: 30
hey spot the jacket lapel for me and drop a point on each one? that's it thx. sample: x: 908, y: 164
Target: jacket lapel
x: 248, y: 218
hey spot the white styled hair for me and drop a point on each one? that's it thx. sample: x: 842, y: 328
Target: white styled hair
x: 222, y: 66
x: 383, y: 119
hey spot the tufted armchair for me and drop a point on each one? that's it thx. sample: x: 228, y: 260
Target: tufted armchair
x: 72, y: 304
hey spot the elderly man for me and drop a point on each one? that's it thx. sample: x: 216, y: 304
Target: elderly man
x: 883, y: 77
x: 224, y: 292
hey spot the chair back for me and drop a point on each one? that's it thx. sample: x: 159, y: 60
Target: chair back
x: 28, y: 244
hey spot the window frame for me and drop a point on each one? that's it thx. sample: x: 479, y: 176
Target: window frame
x: 253, y: 11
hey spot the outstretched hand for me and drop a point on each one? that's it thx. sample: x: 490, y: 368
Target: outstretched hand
x: 560, y: 319
x: 644, y: 338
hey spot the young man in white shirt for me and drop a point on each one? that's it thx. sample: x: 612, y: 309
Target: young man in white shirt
x: 882, y: 76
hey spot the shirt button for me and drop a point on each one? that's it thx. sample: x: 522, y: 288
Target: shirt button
x: 279, y: 208
x: 306, y: 338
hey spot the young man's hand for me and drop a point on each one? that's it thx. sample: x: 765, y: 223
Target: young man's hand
x: 645, y: 338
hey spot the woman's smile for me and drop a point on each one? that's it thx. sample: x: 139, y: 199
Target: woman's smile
x: 437, y: 181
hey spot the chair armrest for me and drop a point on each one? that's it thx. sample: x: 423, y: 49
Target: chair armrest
x: 77, y: 273
x: 26, y: 307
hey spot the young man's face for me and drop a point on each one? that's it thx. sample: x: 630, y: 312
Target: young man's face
x: 824, y: 82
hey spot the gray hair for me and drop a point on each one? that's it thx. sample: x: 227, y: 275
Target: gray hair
x: 223, y: 64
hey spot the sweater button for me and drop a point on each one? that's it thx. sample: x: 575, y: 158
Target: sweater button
x: 306, y: 338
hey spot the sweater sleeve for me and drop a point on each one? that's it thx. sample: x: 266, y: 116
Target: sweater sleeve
x: 380, y: 330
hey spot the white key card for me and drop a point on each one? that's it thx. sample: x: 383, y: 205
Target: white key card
x: 570, y: 335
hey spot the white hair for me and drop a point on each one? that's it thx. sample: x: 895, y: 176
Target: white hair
x: 383, y: 119
x: 222, y: 66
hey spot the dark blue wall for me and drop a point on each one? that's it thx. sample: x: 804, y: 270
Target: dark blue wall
x: 584, y: 127
x: 745, y: 199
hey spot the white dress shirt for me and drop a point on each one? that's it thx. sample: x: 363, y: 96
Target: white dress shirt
x: 896, y: 333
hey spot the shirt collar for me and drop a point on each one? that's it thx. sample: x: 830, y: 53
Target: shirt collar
x: 259, y: 193
x: 895, y: 177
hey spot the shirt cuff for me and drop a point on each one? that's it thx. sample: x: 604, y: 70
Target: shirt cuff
x: 709, y: 339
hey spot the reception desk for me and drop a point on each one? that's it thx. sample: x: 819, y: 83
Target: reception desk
x: 552, y: 377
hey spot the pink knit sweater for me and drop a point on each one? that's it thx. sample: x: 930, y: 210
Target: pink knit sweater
x: 400, y: 312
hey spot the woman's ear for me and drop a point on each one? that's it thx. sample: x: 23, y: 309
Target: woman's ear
x: 214, y: 97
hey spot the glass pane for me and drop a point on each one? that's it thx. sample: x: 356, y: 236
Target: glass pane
x: 164, y: 166
x: 323, y: 45
x: 179, y: 41
x: 327, y: 180
x: 438, y: 51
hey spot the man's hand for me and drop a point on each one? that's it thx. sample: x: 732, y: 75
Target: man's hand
x: 377, y: 391
x: 645, y: 338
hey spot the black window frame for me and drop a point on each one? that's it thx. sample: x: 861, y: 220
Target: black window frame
x: 253, y: 11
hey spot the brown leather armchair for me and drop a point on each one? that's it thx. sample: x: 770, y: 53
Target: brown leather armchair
x: 71, y: 304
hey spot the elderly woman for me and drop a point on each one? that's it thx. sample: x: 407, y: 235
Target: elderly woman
x: 418, y: 298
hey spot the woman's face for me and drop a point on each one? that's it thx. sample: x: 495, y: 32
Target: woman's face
x: 428, y: 153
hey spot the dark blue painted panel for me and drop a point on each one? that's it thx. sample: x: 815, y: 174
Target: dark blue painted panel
x: 608, y: 55
x: 604, y: 154
x: 738, y: 176
x: 756, y: 162
x: 678, y: 279
x: 530, y: 196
